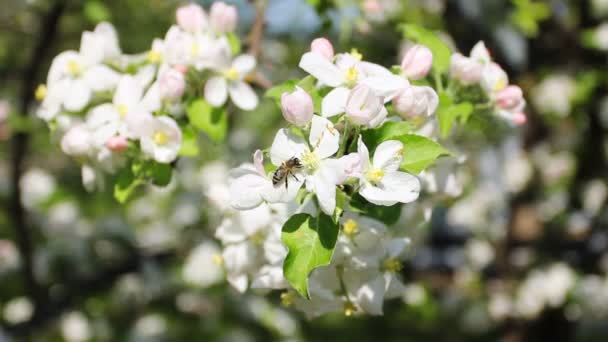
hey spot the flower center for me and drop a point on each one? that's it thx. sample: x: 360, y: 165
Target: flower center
x: 195, y: 49
x: 160, y: 138
x: 500, y: 84
x: 392, y: 265
x: 153, y: 56
x: 310, y: 160
x: 349, y: 308
x: 356, y: 54
x: 350, y: 227
x: 74, y: 68
x: 375, y: 175
x: 41, y: 91
x: 351, y: 75
x: 122, y: 110
x: 258, y: 238
x: 232, y: 74
x: 217, y: 259
x: 287, y: 298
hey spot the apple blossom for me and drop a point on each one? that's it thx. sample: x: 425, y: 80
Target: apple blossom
x: 493, y: 78
x: 417, y: 62
x: 191, y: 18
x: 172, y: 84
x: 297, y: 107
x: 416, y: 101
x: 481, y: 54
x: 510, y: 97
x: 161, y: 138
x: 363, y: 107
x: 381, y: 182
x: 465, y: 69
x: 323, y: 47
x: 223, y: 17
x: 230, y: 81
x: 117, y: 143
x: 76, y: 141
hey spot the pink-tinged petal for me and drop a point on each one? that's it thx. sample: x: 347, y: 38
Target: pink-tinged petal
x: 334, y: 102
x: 216, y: 91
x: 322, y: 69
x: 258, y: 162
x: 243, y: 95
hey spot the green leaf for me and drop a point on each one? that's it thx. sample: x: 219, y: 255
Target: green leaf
x: 125, y: 185
x: 387, y: 215
x: 96, y: 11
x: 441, y: 52
x: 448, y: 113
x: 388, y: 131
x: 160, y: 173
x: 310, y: 242
x: 278, y: 90
x: 234, y: 42
x: 420, y: 152
x: 189, y: 142
x: 212, y: 121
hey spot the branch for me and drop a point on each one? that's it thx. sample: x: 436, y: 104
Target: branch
x: 48, y: 30
x: 257, y: 30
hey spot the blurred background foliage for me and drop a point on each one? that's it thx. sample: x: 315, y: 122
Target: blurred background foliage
x: 533, y: 201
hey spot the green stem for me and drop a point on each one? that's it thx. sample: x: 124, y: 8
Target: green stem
x: 344, y: 139
x: 438, y: 81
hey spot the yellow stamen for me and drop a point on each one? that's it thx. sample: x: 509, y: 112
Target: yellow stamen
x: 41, y: 91
x: 331, y: 129
x: 356, y: 54
x: 218, y: 259
x: 352, y: 74
x: 153, y: 56
x: 500, y: 84
x: 74, y: 68
x: 122, y: 110
x: 232, y: 74
x: 258, y: 238
x: 392, y: 265
x: 375, y: 175
x: 350, y: 227
x: 287, y: 298
x: 195, y: 49
x: 310, y: 160
x: 160, y: 138
x: 349, y: 308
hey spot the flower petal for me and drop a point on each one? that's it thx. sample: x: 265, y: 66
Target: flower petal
x: 77, y: 96
x: 386, y: 86
x: 100, y: 77
x: 128, y: 92
x: 322, y: 69
x: 388, y: 155
x: 334, y: 102
x: 244, y: 64
x: 324, y: 138
x: 286, y: 145
x: 363, y: 154
x: 243, y: 95
x: 216, y: 91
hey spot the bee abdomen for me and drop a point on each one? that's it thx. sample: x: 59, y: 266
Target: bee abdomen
x: 277, y: 176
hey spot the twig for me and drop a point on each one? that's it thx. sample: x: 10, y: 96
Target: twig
x: 23, y: 235
x: 257, y: 30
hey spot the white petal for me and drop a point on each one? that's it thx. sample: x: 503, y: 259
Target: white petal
x: 100, y: 77
x: 372, y: 69
x: 386, y: 86
x: 334, y: 102
x: 325, y: 189
x: 394, y: 286
x: 322, y: 69
x: 152, y: 100
x: 128, y: 92
x: 243, y: 95
x: 230, y: 231
x: 59, y: 69
x: 388, y: 155
x: 286, y: 145
x: 246, y: 191
x: 238, y: 281
x: 78, y: 96
x: 396, y: 246
x: 368, y: 290
x: 269, y: 277
x: 281, y: 192
x: 324, y: 138
x: 394, y: 187
x: 363, y: 154
x: 244, y: 64
x: 216, y: 91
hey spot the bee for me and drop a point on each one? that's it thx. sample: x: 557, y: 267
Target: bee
x: 285, y: 170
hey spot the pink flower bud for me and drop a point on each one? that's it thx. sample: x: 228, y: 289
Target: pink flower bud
x: 363, y: 107
x: 519, y: 118
x: 322, y: 47
x: 417, y: 62
x: 416, y: 101
x: 223, y: 17
x: 172, y: 84
x: 297, y: 107
x: 117, y: 143
x: 76, y: 141
x: 480, y: 53
x: 493, y: 78
x: 191, y: 18
x: 509, y: 98
x: 465, y: 69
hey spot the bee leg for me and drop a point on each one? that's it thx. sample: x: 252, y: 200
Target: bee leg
x: 294, y: 176
x: 286, y: 183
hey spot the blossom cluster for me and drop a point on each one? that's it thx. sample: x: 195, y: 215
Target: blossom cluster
x: 347, y: 160
x: 113, y: 110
